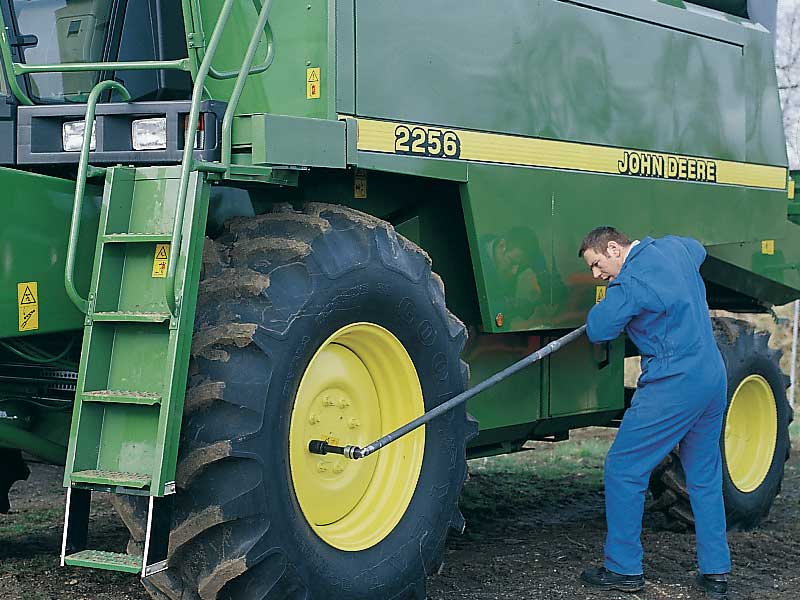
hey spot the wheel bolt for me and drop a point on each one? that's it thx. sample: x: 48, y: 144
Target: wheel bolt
x: 322, y: 466
x: 326, y: 401
x: 338, y: 469
x: 313, y: 419
x: 344, y: 402
x: 353, y: 423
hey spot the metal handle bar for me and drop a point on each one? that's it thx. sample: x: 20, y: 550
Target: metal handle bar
x: 188, y: 149
x: 15, y: 69
x: 355, y: 452
x: 80, y: 186
x: 244, y: 72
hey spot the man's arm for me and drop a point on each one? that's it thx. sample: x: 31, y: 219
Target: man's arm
x: 608, y: 318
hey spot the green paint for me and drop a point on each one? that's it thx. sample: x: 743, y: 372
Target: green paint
x: 504, y: 238
x: 34, y: 231
x: 134, y: 360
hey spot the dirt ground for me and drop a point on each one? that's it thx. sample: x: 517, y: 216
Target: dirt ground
x: 534, y: 520
x: 535, y: 543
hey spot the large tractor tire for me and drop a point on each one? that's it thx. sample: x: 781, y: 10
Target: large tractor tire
x: 755, y: 436
x: 322, y: 324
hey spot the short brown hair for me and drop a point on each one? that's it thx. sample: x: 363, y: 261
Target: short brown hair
x: 597, y: 240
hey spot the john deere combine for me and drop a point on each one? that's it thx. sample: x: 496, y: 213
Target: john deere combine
x: 218, y: 224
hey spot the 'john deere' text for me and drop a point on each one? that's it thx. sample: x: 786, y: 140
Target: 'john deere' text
x: 646, y: 164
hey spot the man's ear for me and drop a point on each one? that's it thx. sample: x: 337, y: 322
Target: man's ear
x: 614, y: 249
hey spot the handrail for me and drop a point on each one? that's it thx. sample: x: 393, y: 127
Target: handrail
x: 8, y: 66
x: 188, y: 150
x: 244, y: 73
x: 182, y: 64
x: 80, y: 186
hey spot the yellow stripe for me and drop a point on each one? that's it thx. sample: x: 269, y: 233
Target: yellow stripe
x: 382, y: 136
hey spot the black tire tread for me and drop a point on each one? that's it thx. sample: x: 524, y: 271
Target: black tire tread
x: 237, y: 266
x: 670, y: 495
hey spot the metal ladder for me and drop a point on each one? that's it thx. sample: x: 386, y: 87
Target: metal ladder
x: 134, y: 360
x: 139, y: 322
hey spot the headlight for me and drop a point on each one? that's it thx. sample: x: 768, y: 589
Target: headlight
x: 72, y: 136
x: 149, y: 134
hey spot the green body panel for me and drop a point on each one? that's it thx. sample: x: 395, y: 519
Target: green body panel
x: 34, y: 229
x: 302, y: 38
x: 648, y: 76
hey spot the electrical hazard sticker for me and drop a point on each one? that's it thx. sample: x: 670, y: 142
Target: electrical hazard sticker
x: 599, y: 293
x: 161, y: 260
x: 28, y: 302
x: 312, y: 83
x: 360, y: 184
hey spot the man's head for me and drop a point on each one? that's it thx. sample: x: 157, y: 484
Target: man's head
x: 604, y: 249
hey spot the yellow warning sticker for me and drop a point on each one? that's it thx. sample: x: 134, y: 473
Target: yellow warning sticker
x: 767, y: 246
x: 28, y: 301
x: 161, y: 260
x: 360, y: 184
x: 599, y: 293
x: 312, y: 82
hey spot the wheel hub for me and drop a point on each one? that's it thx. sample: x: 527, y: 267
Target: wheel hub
x: 751, y: 433
x: 360, y: 384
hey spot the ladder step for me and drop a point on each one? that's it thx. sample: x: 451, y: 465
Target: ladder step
x: 131, y: 317
x: 113, y: 478
x: 122, y: 238
x: 110, y: 561
x: 121, y: 397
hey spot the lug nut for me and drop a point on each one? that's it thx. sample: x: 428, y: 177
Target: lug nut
x: 338, y: 469
x: 353, y: 423
x: 344, y: 402
x: 313, y: 419
x: 322, y: 466
x: 326, y: 401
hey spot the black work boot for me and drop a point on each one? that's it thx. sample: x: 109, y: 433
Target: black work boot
x: 715, y: 586
x: 608, y: 580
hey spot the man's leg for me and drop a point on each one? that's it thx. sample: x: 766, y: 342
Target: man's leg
x: 702, y: 463
x: 650, y: 430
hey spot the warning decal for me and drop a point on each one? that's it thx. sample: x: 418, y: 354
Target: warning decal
x: 161, y: 260
x: 312, y: 83
x: 767, y: 246
x: 28, y: 302
x: 599, y: 293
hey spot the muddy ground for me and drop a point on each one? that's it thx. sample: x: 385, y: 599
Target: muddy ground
x: 534, y: 521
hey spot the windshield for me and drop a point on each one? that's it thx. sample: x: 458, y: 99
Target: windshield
x: 66, y: 31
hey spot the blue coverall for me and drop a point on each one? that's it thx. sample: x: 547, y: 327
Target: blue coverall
x: 659, y: 299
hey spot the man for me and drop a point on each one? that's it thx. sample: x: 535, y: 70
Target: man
x: 655, y: 293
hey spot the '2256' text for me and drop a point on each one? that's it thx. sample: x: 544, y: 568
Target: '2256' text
x: 418, y: 141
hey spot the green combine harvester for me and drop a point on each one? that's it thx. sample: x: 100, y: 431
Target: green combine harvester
x: 235, y: 258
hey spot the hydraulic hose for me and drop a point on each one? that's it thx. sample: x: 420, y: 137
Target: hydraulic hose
x: 356, y: 452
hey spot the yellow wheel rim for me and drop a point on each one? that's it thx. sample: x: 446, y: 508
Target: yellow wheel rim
x: 751, y: 433
x: 360, y: 385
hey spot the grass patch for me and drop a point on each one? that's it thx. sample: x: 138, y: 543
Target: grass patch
x: 30, y: 522
x: 524, y: 482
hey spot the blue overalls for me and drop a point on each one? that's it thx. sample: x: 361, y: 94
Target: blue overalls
x: 660, y: 300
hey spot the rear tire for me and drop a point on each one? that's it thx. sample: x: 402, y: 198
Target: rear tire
x: 752, y: 471
x: 274, y: 289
